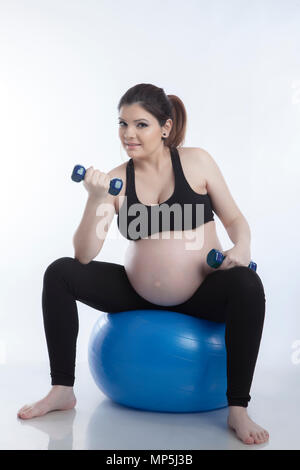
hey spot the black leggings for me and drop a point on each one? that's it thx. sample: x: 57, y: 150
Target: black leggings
x: 234, y: 296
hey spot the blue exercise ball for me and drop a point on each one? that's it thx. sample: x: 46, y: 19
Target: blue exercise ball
x: 159, y: 360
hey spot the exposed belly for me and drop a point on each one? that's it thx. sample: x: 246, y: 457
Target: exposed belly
x: 167, y: 271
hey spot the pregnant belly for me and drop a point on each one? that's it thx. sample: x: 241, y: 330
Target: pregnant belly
x: 168, y: 271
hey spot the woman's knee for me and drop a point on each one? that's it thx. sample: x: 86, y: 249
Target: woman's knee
x: 247, y: 282
x: 59, y: 266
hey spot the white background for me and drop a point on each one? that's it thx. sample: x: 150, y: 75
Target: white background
x: 64, y: 67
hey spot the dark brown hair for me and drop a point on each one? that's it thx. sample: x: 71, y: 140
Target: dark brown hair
x: 154, y: 100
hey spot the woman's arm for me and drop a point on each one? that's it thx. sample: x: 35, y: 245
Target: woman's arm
x: 88, y: 240
x: 239, y: 232
x: 223, y: 203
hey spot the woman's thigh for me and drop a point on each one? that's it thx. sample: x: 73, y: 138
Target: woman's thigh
x: 211, y: 298
x: 99, y: 284
x: 105, y: 286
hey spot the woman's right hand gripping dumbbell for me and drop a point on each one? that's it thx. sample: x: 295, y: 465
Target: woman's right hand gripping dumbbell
x: 96, y: 183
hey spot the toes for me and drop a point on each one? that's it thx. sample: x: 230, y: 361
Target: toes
x: 27, y: 412
x: 28, y: 408
x: 255, y: 438
x: 263, y: 435
x: 249, y: 440
x: 24, y: 413
x: 23, y: 410
x: 258, y: 438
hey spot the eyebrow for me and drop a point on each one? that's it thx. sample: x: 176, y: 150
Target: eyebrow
x: 136, y: 120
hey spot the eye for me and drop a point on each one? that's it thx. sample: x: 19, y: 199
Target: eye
x: 140, y: 123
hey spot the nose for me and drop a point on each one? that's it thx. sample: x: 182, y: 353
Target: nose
x: 129, y: 135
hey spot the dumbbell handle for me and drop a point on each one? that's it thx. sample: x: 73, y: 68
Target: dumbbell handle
x: 79, y: 171
x: 215, y: 259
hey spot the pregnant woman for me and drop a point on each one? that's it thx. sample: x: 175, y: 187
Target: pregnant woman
x: 165, y: 263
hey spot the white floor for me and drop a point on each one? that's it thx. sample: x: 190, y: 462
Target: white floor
x: 98, y: 423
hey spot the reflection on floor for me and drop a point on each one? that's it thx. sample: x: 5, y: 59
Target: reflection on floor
x: 98, y: 423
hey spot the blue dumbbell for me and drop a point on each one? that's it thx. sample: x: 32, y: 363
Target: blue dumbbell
x: 79, y: 171
x: 215, y: 259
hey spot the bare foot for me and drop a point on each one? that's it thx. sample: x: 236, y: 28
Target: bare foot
x: 246, y: 430
x: 59, y: 398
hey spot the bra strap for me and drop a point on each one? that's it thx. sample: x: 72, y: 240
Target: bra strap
x: 130, y: 180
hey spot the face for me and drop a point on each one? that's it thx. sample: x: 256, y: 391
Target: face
x: 138, y: 126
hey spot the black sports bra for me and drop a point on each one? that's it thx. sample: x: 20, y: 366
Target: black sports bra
x: 189, y: 211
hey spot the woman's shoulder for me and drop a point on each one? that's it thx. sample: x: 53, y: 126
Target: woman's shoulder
x: 192, y: 165
x: 193, y: 154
